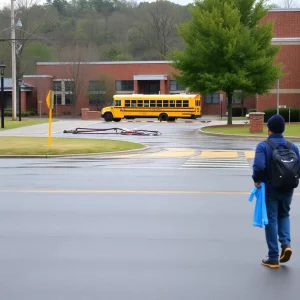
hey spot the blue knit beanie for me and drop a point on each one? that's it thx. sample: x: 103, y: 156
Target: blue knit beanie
x: 276, y: 124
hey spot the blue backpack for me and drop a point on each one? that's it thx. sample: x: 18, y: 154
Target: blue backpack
x: 284, y: 167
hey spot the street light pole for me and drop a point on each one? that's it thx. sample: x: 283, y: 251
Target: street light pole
x: 2, y: 67
x: 13, y: 62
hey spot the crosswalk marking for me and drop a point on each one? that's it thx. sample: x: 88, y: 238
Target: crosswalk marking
x: 172, y: 152
x: 216, y: 163
x: 192, y: 153
x: 213, y: 154
x: 249, y: 154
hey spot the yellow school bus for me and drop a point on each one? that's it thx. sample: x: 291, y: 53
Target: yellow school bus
x: 163, y: 107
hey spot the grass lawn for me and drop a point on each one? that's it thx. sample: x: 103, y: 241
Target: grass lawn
x: 39, y: 146
x: 290, y: 130
x: 9, y: 124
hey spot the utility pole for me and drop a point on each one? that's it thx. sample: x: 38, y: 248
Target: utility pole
x: 13, y: 63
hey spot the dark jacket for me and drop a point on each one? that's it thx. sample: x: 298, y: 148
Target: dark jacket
x: 262, y: 161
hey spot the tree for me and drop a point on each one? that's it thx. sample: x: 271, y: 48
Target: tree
x: 227, y: 49
x: 289, y: 4
x: 101, y: 91
x: 159, y: 31
x: 77, y: 75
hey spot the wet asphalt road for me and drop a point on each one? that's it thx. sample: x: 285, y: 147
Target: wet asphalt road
x: 183, y: 135
x: 97, y: 228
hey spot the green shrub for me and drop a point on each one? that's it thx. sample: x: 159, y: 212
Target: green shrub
x: 32, y: 112
x: 294, y: 114
x: 8, y: 113
x: 251, y: 110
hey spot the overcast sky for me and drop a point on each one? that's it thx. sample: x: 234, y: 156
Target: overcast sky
x: 182, y: 2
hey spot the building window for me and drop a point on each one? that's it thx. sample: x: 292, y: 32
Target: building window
x: 57, y: 99
x: 96, y: 86
x: 124, y: 85
x: 68, y: 99
x: 96, y: 99
x: 212, y: 98
x: 236, y: 99
x: 97, y: 95
x: 69, y: 86
x: 63, y: 91
x: 57, y: 86
x: 174, y: 86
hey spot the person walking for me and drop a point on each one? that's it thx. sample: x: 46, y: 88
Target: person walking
x: 277, y: 164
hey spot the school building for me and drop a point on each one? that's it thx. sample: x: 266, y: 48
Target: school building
x: 93, y: 83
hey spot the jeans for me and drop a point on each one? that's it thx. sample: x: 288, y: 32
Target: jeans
x: 278, y: 208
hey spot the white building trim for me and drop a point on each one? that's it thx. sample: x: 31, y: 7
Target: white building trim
x: 38, y: 76
x: 286, y: 41
x: 150, y: 77
x: 284, y: 9
x: 285, y: 91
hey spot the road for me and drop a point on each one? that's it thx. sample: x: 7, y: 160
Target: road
x: 171, y: 223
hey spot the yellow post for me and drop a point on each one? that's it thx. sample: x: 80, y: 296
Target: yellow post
x: 50, y: 128
x: 49, y: 101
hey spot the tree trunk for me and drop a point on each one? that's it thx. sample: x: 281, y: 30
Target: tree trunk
x: 74, y: 101
x: 229, y: 107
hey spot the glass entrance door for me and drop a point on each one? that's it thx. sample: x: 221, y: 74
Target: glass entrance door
x: 152, y: 88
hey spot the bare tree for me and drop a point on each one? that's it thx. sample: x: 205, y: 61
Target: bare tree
x: 101, y: 91
x: 77, y: 82
x: 159, y: 33
x: 289, y: 4
x: 33, y: 17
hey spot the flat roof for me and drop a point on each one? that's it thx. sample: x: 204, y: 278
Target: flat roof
x: 279, y: 9
x: 105, y: 62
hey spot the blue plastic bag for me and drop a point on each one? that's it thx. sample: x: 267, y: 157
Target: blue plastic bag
x: 260, y: 217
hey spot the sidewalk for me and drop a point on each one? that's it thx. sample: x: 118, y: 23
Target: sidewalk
x: 41, y: 130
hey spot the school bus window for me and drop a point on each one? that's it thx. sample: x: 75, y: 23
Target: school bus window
x: 178, y: 103
x: 117, y: 102
x: 172, y: 103
x: 127, y: 103
x: 140, y: 103
x: 133, y: 103
x: 159, y: 103
x: 152, y: 103
x: 185, y: 103
x: 146, y: 103
x: 166, y: 103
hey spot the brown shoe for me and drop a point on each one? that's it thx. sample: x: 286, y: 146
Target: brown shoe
x: 286, y: 254
x: 271, y: 263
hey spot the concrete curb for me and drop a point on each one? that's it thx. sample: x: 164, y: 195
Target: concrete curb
x: 250, y: 136
x: 78, y: 155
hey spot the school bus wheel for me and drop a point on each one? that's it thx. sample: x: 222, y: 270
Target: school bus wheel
x: 163, y: 117
x: 108, y: 117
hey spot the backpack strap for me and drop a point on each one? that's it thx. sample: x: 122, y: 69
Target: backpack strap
x: 289, y: 145
x: 271, y: 144
x: 274, y: 146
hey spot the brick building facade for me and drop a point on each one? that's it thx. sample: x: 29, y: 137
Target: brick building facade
x: 93, y: 83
